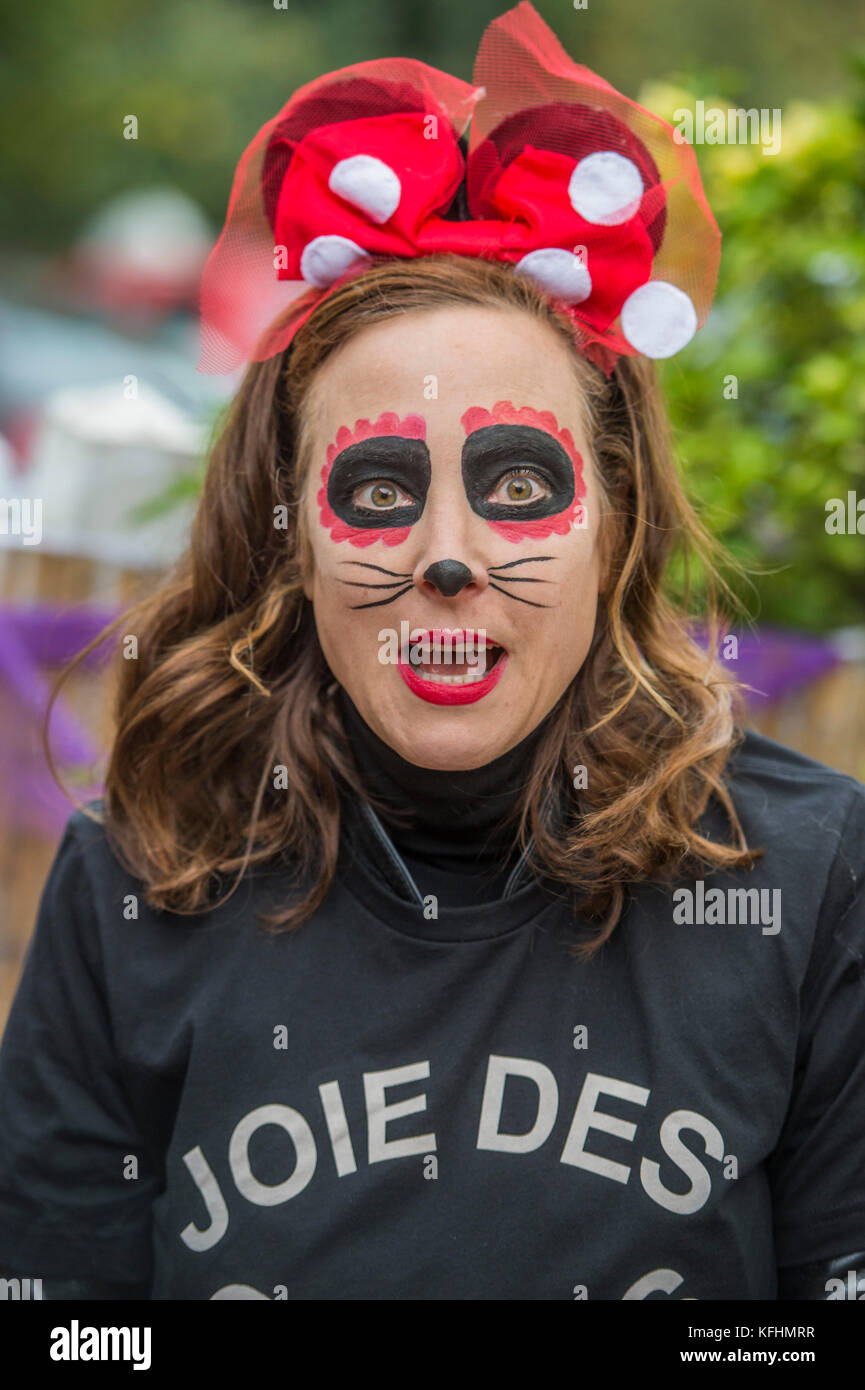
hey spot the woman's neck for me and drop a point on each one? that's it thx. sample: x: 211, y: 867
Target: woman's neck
x: 461, y: 824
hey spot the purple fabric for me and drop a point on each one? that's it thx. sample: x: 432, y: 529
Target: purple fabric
x: 40, y: 635
x: 30, y: 638
x: 776, y: 662
x: 53, y: 634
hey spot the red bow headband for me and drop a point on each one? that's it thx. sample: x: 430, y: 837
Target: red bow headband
x: 563, y: 177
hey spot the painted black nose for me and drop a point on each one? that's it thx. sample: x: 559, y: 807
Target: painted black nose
x: 449, y: 576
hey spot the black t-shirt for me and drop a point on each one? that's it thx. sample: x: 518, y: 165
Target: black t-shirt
x: 392, y: 1104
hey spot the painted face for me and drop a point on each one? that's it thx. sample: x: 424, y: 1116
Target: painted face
x: 368, y: 469
x: 528, y: 445
x: 520, y: 472
x: 447, y: 451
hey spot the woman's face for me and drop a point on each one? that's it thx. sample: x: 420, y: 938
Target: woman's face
x: 453, y: 511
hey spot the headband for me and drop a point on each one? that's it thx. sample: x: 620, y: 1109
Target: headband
x: 539, y: 163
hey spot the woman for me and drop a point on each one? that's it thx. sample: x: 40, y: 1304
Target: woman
x: 446, y: 936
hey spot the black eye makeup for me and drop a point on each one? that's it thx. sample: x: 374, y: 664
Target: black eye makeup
x: 516, y: 472
x: 380, y: 482
x: 519, y: 487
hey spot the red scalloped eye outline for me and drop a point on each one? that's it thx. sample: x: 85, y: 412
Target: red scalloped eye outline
x: 411, y: 427
x: 504, y: 413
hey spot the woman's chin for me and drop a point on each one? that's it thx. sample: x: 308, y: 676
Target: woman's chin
x: 446, y: 738
x: 459, y: 754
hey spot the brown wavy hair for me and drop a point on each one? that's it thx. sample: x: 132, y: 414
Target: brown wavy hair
x: 230, y: 680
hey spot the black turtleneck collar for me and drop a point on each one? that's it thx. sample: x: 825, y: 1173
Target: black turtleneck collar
x: 456, y: 831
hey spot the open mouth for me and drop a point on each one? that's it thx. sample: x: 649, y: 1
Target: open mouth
x: 478, y: 659
x: 453, y: 667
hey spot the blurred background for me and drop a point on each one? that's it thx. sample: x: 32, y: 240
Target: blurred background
x: 104, y: 418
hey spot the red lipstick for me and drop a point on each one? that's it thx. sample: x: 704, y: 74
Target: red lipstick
x: 441, y: 681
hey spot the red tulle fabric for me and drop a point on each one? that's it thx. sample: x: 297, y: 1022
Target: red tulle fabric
x: 532, y: 115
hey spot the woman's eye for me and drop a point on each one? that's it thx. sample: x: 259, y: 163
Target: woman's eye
x: 381, y: 497
x: 519, y: 487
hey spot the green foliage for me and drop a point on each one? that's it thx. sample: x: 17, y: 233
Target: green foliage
x: 200, y: 78
x: 789, y: 324
x: 789, y: 317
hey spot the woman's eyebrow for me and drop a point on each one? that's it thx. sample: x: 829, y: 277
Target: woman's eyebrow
x: 505, y: 413
x: 382, y: 451
x: 506, y: 439
x: 411, y: 426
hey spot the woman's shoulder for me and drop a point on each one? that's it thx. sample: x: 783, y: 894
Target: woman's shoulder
x: 773, y: 776
x: 89, y: 894
x: 807, y: 817
x: 90, y: 869
x: 85, y: 850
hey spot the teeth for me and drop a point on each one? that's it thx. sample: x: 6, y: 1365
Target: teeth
x: 478, y: 667
x: 470, y: 678
x: 475, y: 673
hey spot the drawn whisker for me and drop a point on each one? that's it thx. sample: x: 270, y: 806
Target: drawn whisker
x: 359, y: 584
x: 517, y: 598
x: 520, y: 579
x: 364, y: 564
x: 529, y: 560
x: 379, y: 603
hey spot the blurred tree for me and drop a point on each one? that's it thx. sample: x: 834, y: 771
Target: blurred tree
x: 203, y: 77
x: 200, y: 79
x: 789, y: 319
x: 789, y: 326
